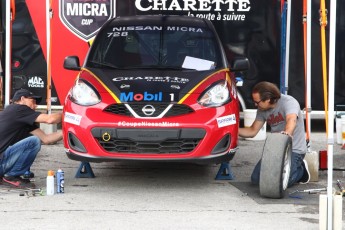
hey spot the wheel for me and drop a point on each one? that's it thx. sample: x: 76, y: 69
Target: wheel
x: 275, y: 165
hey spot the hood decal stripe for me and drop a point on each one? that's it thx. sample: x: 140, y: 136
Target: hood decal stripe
x: 101, y: 82
x: 191, y: 91
x: 182, y: 99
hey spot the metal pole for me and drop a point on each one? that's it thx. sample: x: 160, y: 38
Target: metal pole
x: 287, y: 45
x: 332, y: 41
x: 8, y: 53
x: 48, y: 16
x: 308, y: 88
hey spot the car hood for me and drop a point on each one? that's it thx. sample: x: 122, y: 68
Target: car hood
x: 152, y: 85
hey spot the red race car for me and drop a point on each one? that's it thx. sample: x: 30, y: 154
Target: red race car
x: 154, y: 88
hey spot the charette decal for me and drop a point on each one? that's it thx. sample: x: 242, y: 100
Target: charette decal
x: 220, y: 10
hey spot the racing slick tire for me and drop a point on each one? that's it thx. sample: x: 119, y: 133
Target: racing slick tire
x: 275, y: 165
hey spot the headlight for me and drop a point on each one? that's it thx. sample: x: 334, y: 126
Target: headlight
x: 216, y: 95
x: 83, y: 93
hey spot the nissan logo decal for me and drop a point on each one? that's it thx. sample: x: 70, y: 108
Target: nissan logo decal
x: 148, y: 110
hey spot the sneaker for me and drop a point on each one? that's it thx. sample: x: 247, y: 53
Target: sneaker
x: 306, y: 174
x: 18, y: 182
x: 28, y: 175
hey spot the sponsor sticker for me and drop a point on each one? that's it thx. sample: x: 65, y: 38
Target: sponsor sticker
x: 123, y: 30
x: 147, y: 124
x: 226, y: 120
x: 35, y: 82
x: 165, y: 79
x: 130, y: 96
x: 85, y: 17
x: 72, y: 118
x: 214, y: 10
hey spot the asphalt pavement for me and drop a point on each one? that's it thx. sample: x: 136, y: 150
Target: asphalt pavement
x: 140, y: 195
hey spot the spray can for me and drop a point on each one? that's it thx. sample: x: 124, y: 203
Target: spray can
x: 60, y: 181
x: 50, y: 183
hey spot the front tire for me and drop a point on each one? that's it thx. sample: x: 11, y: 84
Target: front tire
x: 275, y: 165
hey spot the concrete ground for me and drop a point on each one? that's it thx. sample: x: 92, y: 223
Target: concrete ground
x: 163, y: 196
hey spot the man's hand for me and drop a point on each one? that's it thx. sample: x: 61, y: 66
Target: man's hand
x: 252, y: 130
x: 286, y: 133
x: 53, y: 118
x: 47, y: 139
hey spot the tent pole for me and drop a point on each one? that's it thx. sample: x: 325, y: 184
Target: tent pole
x: 48, y: 34
x: 8, y: 50
x: 287, y: 46
x: 308, y: 67
x: 330, y: 138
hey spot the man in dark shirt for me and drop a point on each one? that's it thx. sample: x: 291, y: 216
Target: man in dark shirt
x: 21, y: 137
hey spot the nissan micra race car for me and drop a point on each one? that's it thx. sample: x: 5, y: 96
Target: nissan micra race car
x: 155, y: 88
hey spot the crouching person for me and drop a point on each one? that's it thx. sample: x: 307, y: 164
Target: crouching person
x: 21, y: 137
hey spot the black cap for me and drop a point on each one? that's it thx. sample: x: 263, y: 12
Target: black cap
x: 25, y: 93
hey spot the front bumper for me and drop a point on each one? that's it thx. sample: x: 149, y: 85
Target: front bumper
x: 211, y: 159
x: 209, y: 135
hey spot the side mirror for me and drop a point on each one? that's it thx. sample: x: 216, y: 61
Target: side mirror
x: 239, y: 64
x: 71, y: 63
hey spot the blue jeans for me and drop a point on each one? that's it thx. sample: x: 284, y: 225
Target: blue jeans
x: 18, y: 158
x: 296, y: 171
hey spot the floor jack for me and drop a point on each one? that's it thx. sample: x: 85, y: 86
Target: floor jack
x: 85, y: 171
x: 224, y: 172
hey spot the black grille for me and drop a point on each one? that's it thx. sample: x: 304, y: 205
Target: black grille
x: 175, y: 110
x: 156, y: 141
x: 162, y: 147
x: 119, y: 109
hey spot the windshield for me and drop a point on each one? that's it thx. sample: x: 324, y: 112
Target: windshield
x: 156, y: 47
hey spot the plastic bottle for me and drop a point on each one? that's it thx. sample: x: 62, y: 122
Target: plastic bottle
x: 50, y: 183
x: 60, y: 181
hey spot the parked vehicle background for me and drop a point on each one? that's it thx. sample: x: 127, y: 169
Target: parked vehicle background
x: 250, y: 28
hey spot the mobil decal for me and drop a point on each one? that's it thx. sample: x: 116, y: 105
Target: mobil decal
x: 131, y: 96
x: 84, y: 18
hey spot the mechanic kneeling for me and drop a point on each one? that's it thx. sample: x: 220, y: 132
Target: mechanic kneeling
x: 283, y: 114
x: 21, y: 137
